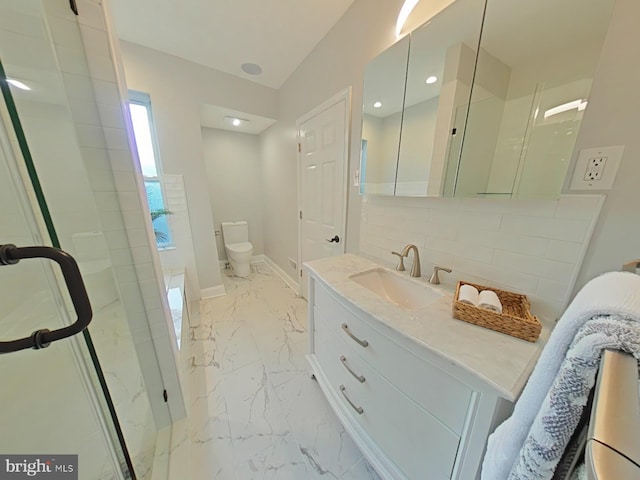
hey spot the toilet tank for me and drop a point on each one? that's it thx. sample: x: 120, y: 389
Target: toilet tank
x: 235, y: 232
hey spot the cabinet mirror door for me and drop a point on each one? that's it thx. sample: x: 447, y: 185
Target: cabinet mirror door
x: 532, y: 82
x: 439, y: 78
x: 384, y: 84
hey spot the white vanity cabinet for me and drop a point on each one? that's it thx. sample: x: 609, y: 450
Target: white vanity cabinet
x: 413, y: 413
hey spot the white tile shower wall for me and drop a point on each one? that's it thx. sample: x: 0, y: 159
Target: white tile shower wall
x: 527, y: 246
x: 97, y: 102
x: 183, y: 256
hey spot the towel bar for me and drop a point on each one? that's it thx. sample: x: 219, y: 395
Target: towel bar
x: 613, y: 446
x: 631, y: 266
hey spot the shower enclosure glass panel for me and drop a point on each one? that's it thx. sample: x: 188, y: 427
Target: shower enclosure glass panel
x: 48, y: 404
x: 82, y: 208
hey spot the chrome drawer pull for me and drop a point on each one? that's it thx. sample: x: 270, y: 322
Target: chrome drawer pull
x: 363, y: 343
x: 360, y: 378
x: 360, y: 410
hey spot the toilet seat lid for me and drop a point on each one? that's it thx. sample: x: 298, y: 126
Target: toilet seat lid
x: 241, y: 247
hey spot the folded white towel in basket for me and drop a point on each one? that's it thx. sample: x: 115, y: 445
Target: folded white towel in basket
x: 614, y: 293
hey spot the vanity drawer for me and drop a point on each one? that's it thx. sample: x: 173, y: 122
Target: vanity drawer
x: 415, y: 441
x: 435, y: 391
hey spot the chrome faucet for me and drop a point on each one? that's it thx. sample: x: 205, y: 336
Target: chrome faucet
x: 415, y: 267
x: 434, y: 276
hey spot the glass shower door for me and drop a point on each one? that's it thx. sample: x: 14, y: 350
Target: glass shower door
x: 53, y: 119
x: 48, y: 404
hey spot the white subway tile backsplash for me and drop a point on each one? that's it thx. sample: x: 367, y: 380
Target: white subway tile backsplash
x: 578, y: 206
x: 449, y: 217
x: 509, y: 279
x: 544, y: 227
x: 528, y: 246
x: 532, y: 208
x: 513, y: 243
x: 544, y: 268
x: 480, y: 221
x: 463, y: 247
x: 552, y: 290
x: 564, y: 251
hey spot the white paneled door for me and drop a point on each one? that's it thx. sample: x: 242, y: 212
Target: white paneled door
x: 323, y: 152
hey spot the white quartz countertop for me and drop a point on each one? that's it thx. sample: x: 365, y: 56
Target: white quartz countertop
x: 502, y: 361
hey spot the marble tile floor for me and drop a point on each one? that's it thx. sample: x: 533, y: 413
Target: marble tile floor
x: 255, y: 412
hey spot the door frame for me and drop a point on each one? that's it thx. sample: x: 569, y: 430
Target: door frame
x: 345, y: 95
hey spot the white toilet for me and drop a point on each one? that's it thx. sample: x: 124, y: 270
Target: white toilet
x: 239, y: 249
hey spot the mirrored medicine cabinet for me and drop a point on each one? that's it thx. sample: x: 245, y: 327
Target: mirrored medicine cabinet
x: 483, y: 100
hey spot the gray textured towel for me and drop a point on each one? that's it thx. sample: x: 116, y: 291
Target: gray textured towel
x: 562, y: 407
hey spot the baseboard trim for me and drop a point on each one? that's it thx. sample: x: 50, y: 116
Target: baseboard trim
x: 212, y: 292
x: 295, y: 286
x: 258, y: 259
x: 254, y: 259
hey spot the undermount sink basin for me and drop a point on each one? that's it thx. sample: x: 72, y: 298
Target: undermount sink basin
x: 400, y: 291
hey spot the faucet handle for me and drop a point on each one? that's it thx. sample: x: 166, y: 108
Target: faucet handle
x: 435, y: 279
x: 400, y: 266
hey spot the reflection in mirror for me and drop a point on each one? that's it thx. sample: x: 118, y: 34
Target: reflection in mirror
x: 384, y: 82
x: 439, y: 77
x: 533, y: 78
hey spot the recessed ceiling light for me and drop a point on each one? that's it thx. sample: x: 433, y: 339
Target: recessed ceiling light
x: 251, y: 68
x: 18, y: 84
x: 377, y: 105
x: 431, y: 79
x: 235, y: 121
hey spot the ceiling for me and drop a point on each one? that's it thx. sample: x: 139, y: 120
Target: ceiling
x: 224, y: 34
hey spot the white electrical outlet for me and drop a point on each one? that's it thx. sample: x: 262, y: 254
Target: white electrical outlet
x: 596, y: 168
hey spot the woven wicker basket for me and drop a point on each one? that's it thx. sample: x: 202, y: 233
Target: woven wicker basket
x: 515, y: 320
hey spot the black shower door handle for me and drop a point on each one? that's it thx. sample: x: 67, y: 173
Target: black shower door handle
x: 10, y: 255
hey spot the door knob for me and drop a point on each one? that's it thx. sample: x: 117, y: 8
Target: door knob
x: 335, y: 239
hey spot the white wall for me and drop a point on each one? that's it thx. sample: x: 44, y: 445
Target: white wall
x: 178, y: 88
x: 338, y: 61
x: 234, y: 176
x: 612, y: 119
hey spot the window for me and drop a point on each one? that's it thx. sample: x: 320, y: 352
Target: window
x: 140, y: 108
